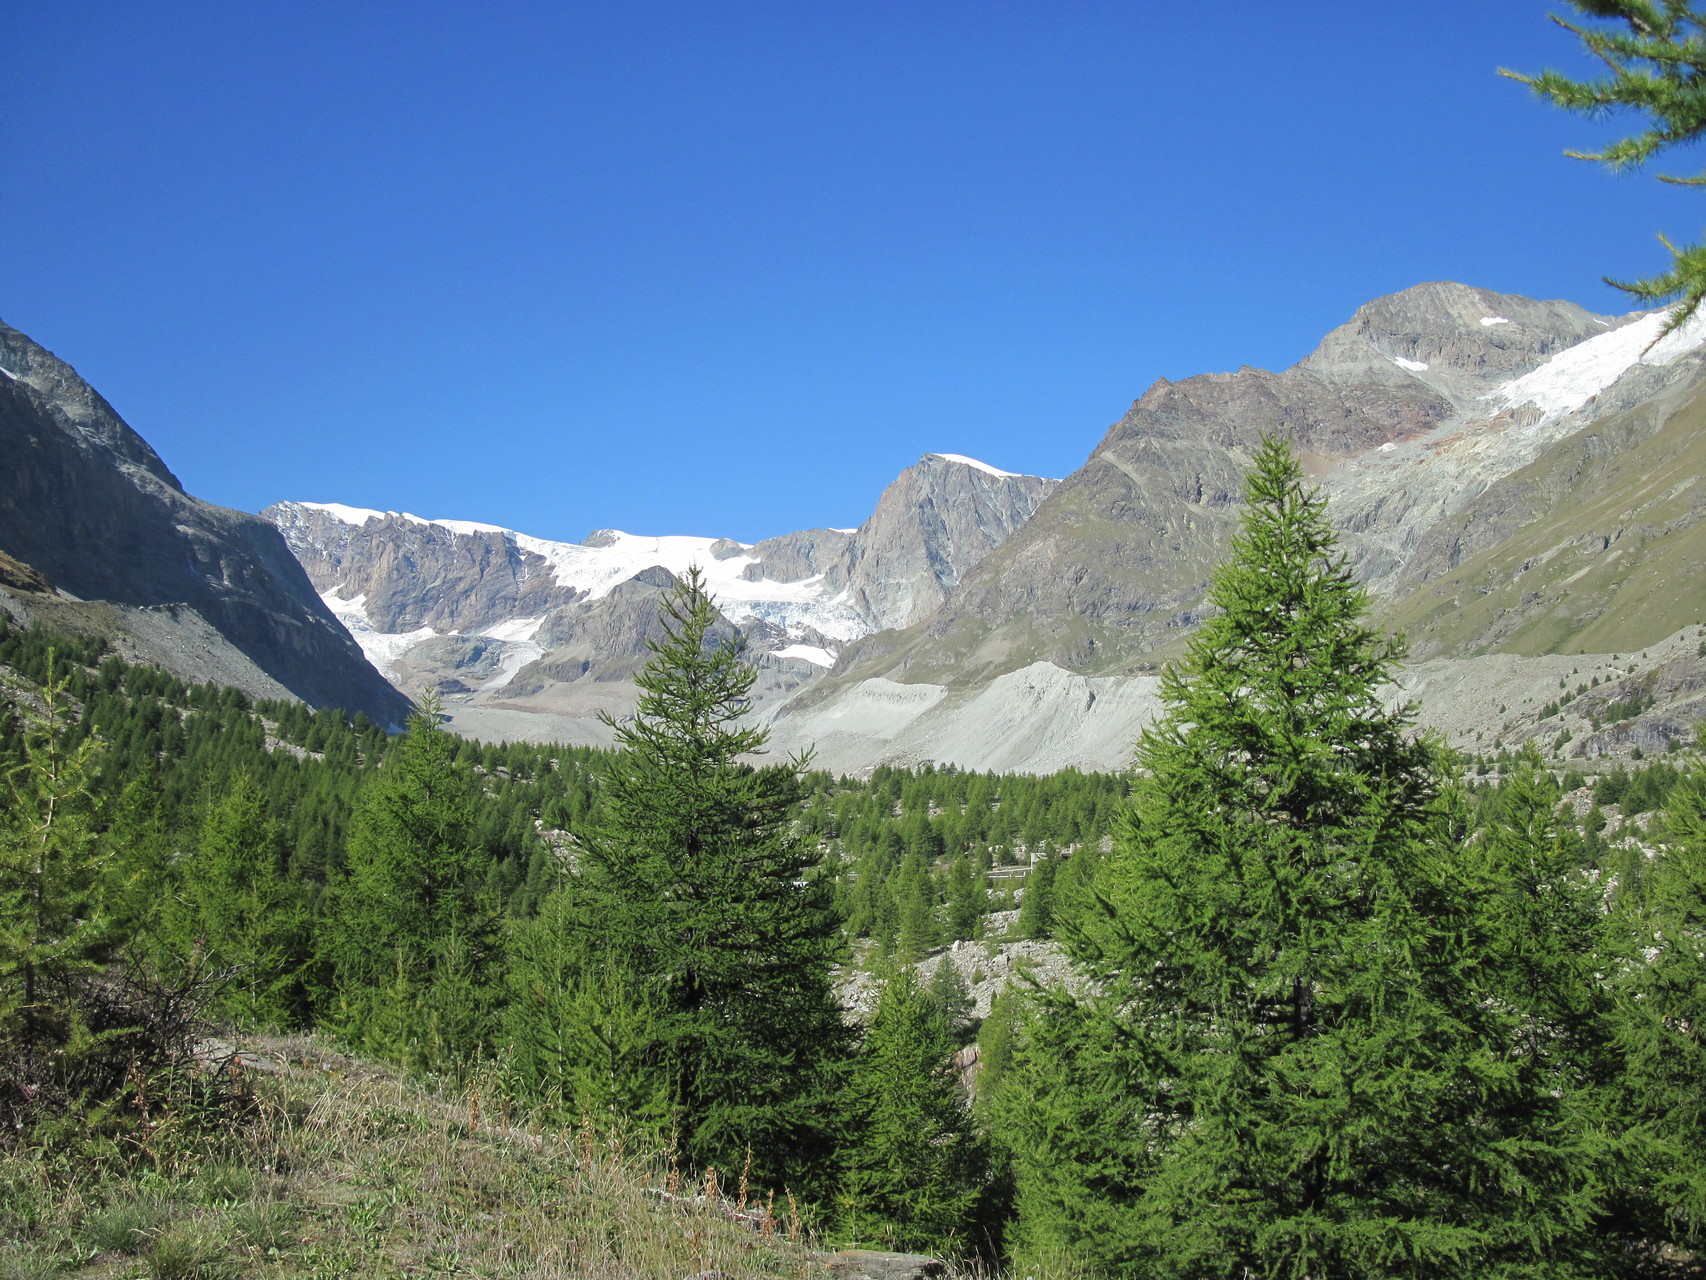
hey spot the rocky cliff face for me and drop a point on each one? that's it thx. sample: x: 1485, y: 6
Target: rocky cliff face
x: 1509, y: 477
x: 500, y: 622
x: 1404, y: 415
x: 87, y: 503
x: 937, y: 522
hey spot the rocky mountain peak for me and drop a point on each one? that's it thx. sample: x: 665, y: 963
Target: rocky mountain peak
x: 1454, y: 339
x: 939, y: 518
x: 82, y: 412
x: 204, y: 591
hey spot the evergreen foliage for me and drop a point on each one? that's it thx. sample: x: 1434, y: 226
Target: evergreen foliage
x: 414, y: 946
x: 53, y: 921
x: 1662, y: 1029
x: 694, y: 891
x: 584, y: 1037
x: 231, y: 912
x: 1036, y: 909
x: 913, y: 1167
x: 1655, y: 53
x: 1346, y: 1016
x: 1285, y: 1069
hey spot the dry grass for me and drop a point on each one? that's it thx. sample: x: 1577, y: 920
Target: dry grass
x: 347, y: 1170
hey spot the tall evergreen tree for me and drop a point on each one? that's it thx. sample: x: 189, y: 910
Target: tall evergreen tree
x: 414, y: 939
x: 1036, y: 908
x: 694, y: 891
x: 53, y: 919
x: 234, y: 913
x: 914, y: 1164
x: 1662, y: 1027
x: 585, y: 1037
x: 1284, y: 1067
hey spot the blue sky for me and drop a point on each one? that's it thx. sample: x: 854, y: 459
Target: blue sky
x: 726, y: 268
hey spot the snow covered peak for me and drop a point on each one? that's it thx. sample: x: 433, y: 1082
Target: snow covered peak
x: 973, y: 462
x: 359, y: 516
x: 356, y: 516
x: 1577, y: 374
x: 610, y: 557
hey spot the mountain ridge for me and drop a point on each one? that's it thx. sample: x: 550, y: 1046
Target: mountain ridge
x: 490, y: 617
x: 89, y: 505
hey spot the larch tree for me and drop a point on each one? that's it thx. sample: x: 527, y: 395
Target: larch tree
x: 1655, y: 55
x: 1282, y: 1062
x: 913, y: 1168
x: 1662, y: 1027
x: 694, y: 893
x: 414, y: 942
x: 234, y: 914
x: 53, y: 920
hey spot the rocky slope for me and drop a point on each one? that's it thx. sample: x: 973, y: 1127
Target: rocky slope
x: 1509, y: 476
x: 507, y: 627
x: 118, y: 547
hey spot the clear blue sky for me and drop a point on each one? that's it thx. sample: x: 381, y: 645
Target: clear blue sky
x: 725, y: 267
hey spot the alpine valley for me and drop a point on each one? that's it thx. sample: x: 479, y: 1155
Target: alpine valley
x: 1517, y: 483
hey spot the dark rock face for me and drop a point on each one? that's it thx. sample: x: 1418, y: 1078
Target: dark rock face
x: 604, y: 639
x: 932, y: 525
x: 793, y: 557
x: 86, y: 502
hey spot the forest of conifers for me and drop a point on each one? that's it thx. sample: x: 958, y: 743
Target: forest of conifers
x: 1345, y: 1004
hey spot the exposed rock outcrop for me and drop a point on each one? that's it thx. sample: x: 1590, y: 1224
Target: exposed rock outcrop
x: 92, y: 508
x: 501, y: 624
x: 1405, y: 415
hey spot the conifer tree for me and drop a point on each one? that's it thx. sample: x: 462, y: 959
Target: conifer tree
x: 968, y: 898
x: 1655, y: 54
x: 53, y: 920
x: 1284, y: 1065
x: 915, y: 894
x: 585, y: 1037
x: 411, y: 911
x: 235, y: 915
x: 914, y: 1165
x: 1036, y: 908
x: 1544, y: 939
x: 1662, y: 1027
x: 951, y: 994
x: 694, y: 891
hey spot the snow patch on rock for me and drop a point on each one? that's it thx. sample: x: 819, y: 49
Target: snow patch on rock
x: 973, y: 462
x: 808, y: 653
x: 382, y: 648
x: 356, y: 516
x: 1577, y: 374
x: 1414, y: 366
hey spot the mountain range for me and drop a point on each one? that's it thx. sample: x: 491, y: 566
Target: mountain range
x: 1515, y: 481
x: 498, y: 622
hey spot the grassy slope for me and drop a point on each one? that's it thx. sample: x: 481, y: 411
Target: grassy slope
x: 1611, y: 563
x: 348, y: 1171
